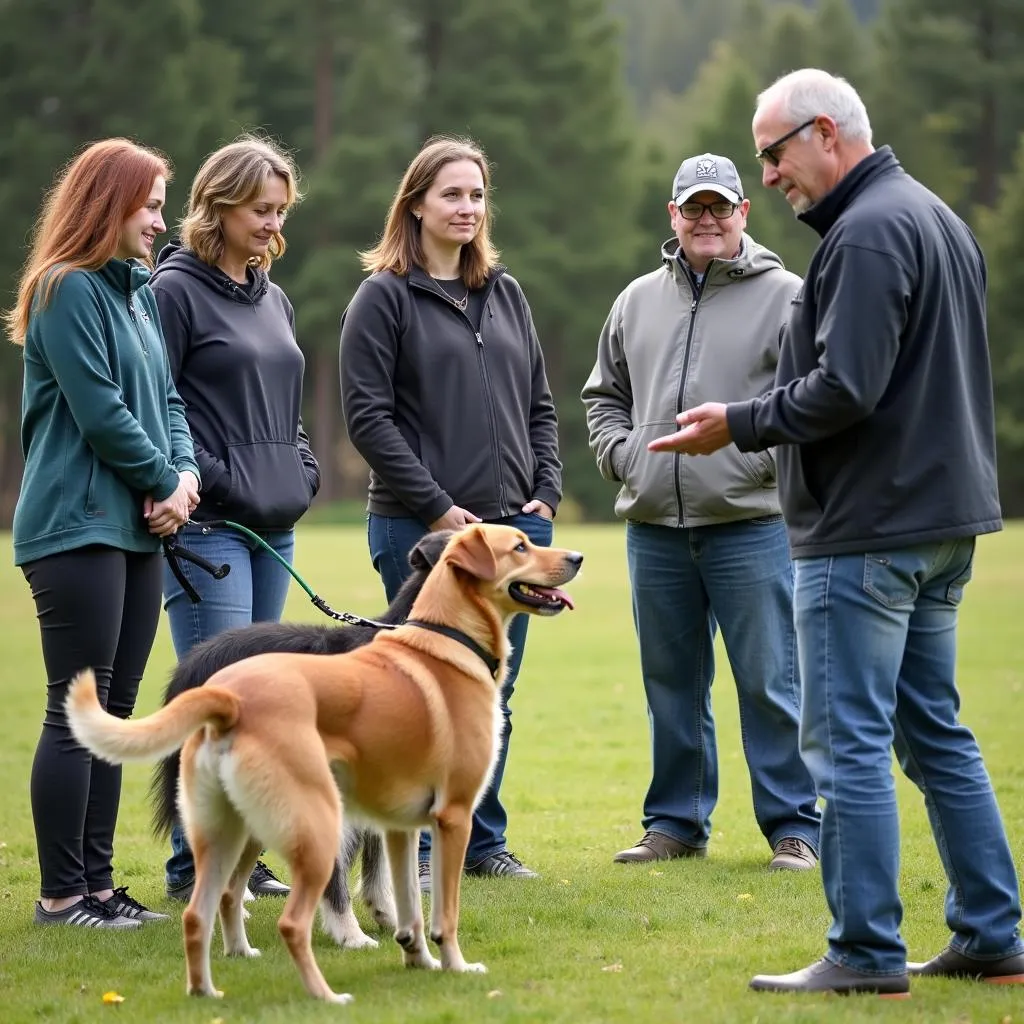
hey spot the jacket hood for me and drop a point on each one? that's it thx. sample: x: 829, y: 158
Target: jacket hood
x: 753, y: 258
x: 174, y: 256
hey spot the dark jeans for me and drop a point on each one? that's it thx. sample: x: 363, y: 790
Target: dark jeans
x: 254, y: 591
x: 391, y: 539
x: 98, y: 608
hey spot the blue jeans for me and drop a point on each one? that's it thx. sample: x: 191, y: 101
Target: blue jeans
x: 254, y: 591
x: 684, y: 581
x: 877, y: 643
x: 391, y: 539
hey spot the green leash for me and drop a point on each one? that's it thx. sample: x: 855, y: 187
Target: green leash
x: 318, y: 602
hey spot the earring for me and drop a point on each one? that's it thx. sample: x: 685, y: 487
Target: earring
x: 418, y: 216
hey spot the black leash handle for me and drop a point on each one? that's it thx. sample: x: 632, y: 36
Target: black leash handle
x: 173, y: 551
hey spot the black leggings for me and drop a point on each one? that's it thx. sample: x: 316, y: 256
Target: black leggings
x: 98, y: 607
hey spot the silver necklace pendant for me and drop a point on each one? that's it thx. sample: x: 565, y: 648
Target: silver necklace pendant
x: 463, y: 302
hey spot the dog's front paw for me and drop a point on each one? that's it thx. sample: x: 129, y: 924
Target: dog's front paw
x: 339, y: 998
x: 360, y: 941
x: 251, y: 952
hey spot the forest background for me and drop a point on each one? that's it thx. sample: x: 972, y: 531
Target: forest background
x: 585, y: 107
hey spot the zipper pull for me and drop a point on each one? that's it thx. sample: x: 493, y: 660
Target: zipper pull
x: 693, y: 306
x: 479, y: 340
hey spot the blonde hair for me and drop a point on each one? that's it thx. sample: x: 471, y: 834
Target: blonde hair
x: 230, y: 176
x: 400, y: 247
x: 79, y: 226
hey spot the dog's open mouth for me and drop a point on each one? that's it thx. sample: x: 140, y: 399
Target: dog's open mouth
x: 547, y: 600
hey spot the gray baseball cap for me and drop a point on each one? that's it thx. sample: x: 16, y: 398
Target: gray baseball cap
x: 707, y: 173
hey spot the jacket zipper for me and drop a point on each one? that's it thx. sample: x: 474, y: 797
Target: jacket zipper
x: 677, y: 469
x: 492, y: 415
x: 135, y: 320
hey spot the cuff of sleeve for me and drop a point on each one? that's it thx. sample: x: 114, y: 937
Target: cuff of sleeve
x: 437, y: 508
x: 550, y: 497
x: 740, y: 417
x: 167, y: 486
x: 185, y: 466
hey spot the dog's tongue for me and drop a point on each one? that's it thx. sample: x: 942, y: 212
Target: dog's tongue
x: 557, y: 595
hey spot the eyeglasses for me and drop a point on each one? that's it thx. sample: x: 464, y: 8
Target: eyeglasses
x: 769, y: 155
x: 721, y: 209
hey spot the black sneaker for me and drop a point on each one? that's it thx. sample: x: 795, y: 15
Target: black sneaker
x: 86, y: 913
x: 263, y: 882
x: 500, y: 864
x: 424, y: 874
x: 127, y: 906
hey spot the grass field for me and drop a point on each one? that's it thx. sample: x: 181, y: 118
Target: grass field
x: 590, y: 941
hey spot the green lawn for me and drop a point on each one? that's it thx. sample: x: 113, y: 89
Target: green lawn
x: 591, y: 941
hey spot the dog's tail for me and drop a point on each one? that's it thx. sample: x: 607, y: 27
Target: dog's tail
x: 117, y: 740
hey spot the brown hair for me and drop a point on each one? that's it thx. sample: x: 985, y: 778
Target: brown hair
x: 230, y: 176
x: 400, y: 247
x: 79, y: 226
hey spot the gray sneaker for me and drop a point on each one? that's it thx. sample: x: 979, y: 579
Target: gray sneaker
x: 127, y: 906
x: 88, y: 912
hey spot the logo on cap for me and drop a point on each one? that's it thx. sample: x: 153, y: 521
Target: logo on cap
x: 707, y: 169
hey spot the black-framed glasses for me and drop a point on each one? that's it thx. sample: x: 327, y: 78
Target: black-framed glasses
x: 721, y: 209
x: 770, y: 155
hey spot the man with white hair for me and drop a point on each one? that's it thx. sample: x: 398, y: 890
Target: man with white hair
x: 883, y: 412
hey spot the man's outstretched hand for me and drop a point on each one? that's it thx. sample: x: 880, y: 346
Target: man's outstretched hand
x: 704, y: 430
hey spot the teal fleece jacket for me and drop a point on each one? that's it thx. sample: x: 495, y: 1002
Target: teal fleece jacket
x: 102, y: 425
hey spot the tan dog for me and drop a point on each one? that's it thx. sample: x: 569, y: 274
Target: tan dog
x: 407, y: 728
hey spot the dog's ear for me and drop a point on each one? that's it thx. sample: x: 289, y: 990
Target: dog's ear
x: 428, y: 550
x: 471, y: 552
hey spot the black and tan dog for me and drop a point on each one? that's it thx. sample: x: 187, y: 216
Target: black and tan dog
x: 406, y: 727
x: 204, y: 660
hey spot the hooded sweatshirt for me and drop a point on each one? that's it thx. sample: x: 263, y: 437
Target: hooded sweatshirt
x: 669, y: 344
x: 236, y: 364
x: 101, y: 424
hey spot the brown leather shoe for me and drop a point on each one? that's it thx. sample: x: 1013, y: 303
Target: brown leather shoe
x: 657, y: 846
x: 792, y: 854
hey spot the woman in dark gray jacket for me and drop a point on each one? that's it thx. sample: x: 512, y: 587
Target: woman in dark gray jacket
x: 446, y: 398
x: 231, y: 345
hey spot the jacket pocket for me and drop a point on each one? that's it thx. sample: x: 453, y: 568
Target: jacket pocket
x: 269, y: 488
x: 91, y: 507
x: 648, y: 491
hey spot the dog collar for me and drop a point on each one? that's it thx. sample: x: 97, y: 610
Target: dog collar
x: 492, y: 663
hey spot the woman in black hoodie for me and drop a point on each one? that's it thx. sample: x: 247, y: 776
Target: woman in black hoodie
x: 230, y: 336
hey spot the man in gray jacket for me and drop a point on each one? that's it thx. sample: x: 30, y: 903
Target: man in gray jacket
x: 705, y: 540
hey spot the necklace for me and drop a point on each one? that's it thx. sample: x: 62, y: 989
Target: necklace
x: 460, y: 304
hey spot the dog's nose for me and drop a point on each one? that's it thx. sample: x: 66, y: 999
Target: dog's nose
x: 574, y: 558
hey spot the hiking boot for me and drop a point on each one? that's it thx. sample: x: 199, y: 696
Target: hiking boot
x: 501, y: 864
x: 825, y: 976
x: 86, y: 913
x: 263, y: 882
x: 127, y: 906
x: 1005, y: 970
x: 423, y: 870
x: 792, y: 854
x: 657, y: 846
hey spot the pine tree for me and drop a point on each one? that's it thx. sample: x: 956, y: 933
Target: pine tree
x: 76, y: 71
x: 537, y: 83
x: 1001, y: 232
x: 950, y: 90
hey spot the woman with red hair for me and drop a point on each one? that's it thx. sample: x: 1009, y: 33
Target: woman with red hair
x: 109, y: 470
